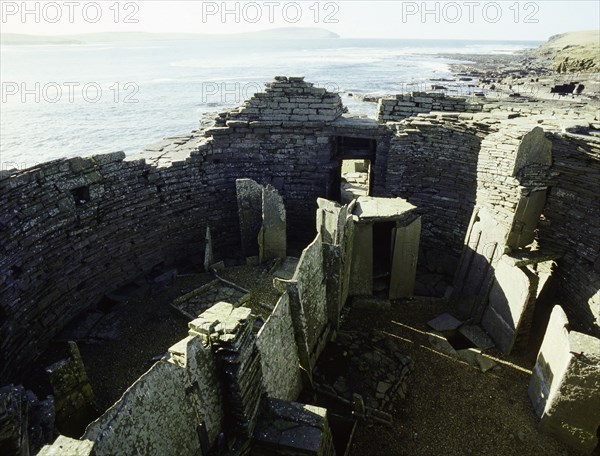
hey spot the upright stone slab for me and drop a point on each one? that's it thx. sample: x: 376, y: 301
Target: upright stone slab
x: 156, y: 415
x: 565, y: 385
x: 361, y: 277
x: 249, y: 198
x: 404, y: 262
x: 512, y: 291
x: 74, y: 398
x: 534, y: 148
x: 208, y: 250
x: 527, y: 216
x: 279, y: 353
x: 272, y: 236
x: 336, y: 228
x: 484, y: 244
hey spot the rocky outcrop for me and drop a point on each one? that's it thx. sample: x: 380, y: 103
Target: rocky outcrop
x: 574, y: 52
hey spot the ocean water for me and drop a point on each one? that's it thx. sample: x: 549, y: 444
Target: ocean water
x: 69, y: 100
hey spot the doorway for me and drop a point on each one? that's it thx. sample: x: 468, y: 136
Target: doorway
x: 382, y: 256
x: 355, y: 176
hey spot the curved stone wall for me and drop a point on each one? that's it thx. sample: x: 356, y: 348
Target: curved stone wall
x: 432, y: 163
x: 71, y: 230
x: 571, y: 225
x: 74, y: 229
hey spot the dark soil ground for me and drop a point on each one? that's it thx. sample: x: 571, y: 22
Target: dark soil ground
x: 452, y: 408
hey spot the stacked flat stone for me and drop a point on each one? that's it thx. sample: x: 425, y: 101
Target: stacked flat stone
x: 571, y: 225
x: 499, y: 187
x: 229, y: 332
x: 408, y: 105
x: 288, y: 99
x: 432, y: 163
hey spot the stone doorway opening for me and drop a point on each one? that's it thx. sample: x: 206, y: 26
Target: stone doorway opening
x: 355, y: 179
x: 350, y: 173
x: 383, y: 233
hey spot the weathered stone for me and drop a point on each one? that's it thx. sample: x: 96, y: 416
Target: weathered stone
x: 477, y: 336
x: 534, y: 148
x: 444, y: 322
x: 272, y: 239
x: 65, y: 445
x: 279, y: 353
x: 208, y: 250
x: 513, y: 290
x: 289, y: 428
x: 73, y: 395
x: 526, y: 219
x: 249, y: 199
x: 565, y: 384
x: 404, y: 260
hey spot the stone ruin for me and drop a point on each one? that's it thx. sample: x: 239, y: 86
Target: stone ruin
x: 493, y: 206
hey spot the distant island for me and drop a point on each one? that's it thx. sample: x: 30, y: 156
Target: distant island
x: 282, y: 33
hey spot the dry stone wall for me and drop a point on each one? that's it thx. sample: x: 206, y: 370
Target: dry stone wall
x: 432, y: 163
x: 288, y: 99
x: 408, y: 105
x: 571, y: 226
x: 75, y: 229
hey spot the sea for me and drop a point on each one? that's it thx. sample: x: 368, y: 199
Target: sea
x: 84, y: 99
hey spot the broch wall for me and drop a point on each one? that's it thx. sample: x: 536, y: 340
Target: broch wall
x: 73, y: 229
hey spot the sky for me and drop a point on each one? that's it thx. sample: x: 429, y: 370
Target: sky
x: 475, y: 20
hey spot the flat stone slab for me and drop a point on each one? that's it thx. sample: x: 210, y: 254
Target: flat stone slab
x: 371, y: 208
x: 287, y: 270
x: 476, y: 359
x: 485, y: 363
x: 291, y: 428
x: 199, y: 300
x: 477, y: 336
x: 442, y: 345
x: 444, y: 322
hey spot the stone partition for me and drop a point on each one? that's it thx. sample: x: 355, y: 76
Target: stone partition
x: 309, y: 300
x: 336, y: 227
x: 279, y: 353
x: 154, y: 416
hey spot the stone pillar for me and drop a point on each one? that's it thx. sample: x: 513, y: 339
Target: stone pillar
x: 565, y: 385
x: 249, y: 198
x: 73, y: 395
x: 208, y: 250
x: 272, y: 236
x: 228, y: 330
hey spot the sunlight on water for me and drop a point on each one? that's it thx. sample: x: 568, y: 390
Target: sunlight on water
x: 68, y: 100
